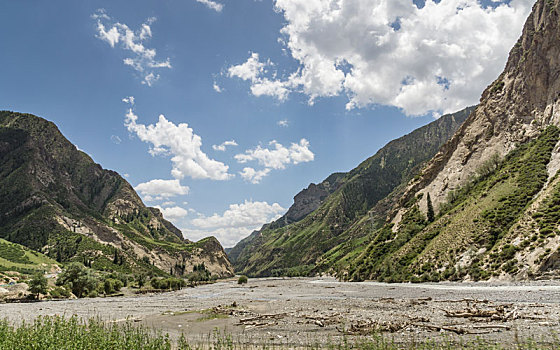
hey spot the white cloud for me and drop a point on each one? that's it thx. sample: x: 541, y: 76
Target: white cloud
x: 158, y: 189
x: 437, y: 58
x: 236, y: 222
x: 252, y: 175
x: 182, y: 144
x: 173, y: 213
x: 250, y: 70
x: 212, y: 5
x: 278, y: 156
x: 143, y: 59
x: 217, y: 87
x: 116, y: 140
x: 224, y: 145
x: 129, y: 100
x: 283, y: 123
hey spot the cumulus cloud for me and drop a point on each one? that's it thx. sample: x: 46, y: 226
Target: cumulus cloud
x: 276, y: 157
x: 182, y: 144
x: 158, y: 189
x: 222, y: 147
x: 212, y: 5
x: 254, y: 176
x: 117, y: 34
x: 173, y: 213
x: 283, y: 123
x: 435, y: 58
x: 238, y: 221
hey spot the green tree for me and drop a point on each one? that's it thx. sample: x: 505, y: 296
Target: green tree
x: 431, y: 215
x: 80, y: 279
x: 38, y: 284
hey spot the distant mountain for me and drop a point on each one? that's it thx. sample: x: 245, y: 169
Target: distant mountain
x: 54, y: 199
x: 494, y: 186
x: 324, y: 217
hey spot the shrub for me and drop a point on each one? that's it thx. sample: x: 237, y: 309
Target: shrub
x: 242, y: 280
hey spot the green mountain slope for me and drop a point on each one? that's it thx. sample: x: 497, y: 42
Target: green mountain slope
x: 56, y: 200
x: 296, y: 248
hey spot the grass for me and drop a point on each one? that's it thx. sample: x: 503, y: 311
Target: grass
x: 19, y: 258
x: 56, y: 332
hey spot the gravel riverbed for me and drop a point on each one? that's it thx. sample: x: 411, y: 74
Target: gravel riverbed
x: 317, y: 310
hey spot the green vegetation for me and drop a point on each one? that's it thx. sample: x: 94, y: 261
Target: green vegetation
x: 38, y: 285
x: 242, y: 279
x: 79, y: 279
x: 170, y: 283
x: 14, y: 257
x: 71, y: 333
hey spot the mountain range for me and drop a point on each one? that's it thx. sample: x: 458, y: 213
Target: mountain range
x: 484, y: 205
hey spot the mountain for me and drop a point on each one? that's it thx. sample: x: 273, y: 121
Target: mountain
x: 328, y: 217
x: 494, y: 186
x: 56, y: 200
x: 305, y: 202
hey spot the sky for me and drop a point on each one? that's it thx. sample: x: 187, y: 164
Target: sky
x: 218, y: 112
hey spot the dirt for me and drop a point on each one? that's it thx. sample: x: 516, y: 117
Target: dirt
x: 309, y: 310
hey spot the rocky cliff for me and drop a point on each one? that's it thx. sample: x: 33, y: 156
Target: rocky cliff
x: 56, y: 200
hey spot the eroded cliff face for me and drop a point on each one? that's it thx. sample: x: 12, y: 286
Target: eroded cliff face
x: 513, y: 109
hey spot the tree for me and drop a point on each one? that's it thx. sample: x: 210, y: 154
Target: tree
x: 38, y: 284
x: 431, y: 215
x: 79, y: 278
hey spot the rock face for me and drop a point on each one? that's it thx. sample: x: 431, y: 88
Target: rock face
x: 327, y: 219
x: 55, y: 199
x: 494, y: 185
x: 311, y: 198
x: 520, y: 103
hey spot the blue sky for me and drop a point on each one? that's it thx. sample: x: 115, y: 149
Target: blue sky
x: 305, y: 88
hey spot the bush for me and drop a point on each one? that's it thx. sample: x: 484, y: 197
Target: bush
x: 60, y: 292
x: 242, y: 280
x: 170, y: 283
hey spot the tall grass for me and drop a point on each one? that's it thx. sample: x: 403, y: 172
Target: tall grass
x: 59, y: 333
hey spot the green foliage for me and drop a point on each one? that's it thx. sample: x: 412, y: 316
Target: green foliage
x: 430, y: 214
x: 13, y: 252
x: 199, y: 274
x: 170, y: 283
x: 38, y: 284
x: 242, y: 279
x: 78, y: 278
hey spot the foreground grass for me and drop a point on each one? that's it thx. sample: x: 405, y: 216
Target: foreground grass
x: 60, y: 333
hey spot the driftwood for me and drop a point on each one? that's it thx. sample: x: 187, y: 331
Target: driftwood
x: 498, y: 314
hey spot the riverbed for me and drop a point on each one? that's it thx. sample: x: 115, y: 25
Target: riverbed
x: 299, y: 311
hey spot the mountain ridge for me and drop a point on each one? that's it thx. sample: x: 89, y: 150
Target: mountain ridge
x: 55, y: 199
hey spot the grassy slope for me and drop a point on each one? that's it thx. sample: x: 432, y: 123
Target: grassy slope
x: 15, y: 257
